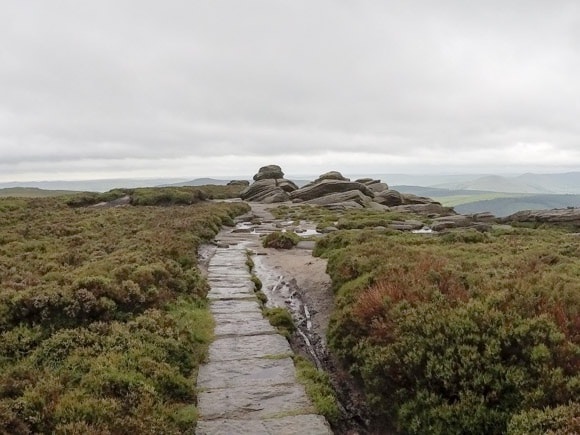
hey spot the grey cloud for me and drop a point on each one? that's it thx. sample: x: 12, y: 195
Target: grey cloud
x: 111, y: 81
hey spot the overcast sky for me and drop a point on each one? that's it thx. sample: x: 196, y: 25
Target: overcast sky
x: 138, y: 88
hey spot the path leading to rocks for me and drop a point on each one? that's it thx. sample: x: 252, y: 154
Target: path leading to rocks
x: 249, y: 384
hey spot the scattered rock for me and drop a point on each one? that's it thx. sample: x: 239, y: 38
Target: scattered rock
x: 456, y: 221
x: 347, y: 205
x: 389, y: 198
x: 429, y: 210
x: 483, y: 217
x: 569, y: 216
x: 239, y: 183
x: 409, y: 198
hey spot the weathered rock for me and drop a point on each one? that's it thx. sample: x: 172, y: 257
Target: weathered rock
x: 239, y: 183
x: 484, y: 217
x: 378, y: 187
x: 269, y: 172
x: 347, y: 205
x: 455, y: 221
x: 334, y: 198
x: 372, y: 205
x: 269, y: 187
x: 268, y: 191
x: 568, y: 216
x: 429, y: 210
x: 409, y: 198
x: 366, y: 180
x: 327, y: 187
x: 417, y: 225
x: 331, y: 175
x: 389, y: 198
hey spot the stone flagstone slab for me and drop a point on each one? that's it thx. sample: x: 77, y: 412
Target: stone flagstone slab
x: 253, y: 402
x: 239, y: 373
x: 242, y: 316
x: 245, y: 347
x: 230, y: 306
x: 308, y: 424
x: 251, y: 327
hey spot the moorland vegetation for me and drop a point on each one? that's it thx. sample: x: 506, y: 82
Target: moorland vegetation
x: 103, y: 317
x: 458, y: 333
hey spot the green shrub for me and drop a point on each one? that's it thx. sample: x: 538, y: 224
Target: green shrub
x: 103, y: 324
x: 562, y: 420
x: 319, y: 389
x: 281, y: 319
x: 281, y: 240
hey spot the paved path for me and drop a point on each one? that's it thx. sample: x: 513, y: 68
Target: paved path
x: 249, y: 384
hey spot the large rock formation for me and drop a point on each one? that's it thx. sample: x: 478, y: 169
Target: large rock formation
x: 270, y: 186
x: 559, y: 216
x: 326, y: 187
x: 335, y: 191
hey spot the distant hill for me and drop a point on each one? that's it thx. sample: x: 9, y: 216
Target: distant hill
x: 497, y: 183
x: 92, y: 185
x: 198, y: 182
x: 499, y: 203
x: 567, y: 183
x: 32, y: 192
x: 505, y: 206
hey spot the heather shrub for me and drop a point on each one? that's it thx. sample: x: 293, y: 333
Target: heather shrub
x: 460, y: 333
x: 281, y: 240
x: 103, y: 322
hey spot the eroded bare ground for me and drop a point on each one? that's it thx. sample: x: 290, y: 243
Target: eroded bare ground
x: 295, y: 280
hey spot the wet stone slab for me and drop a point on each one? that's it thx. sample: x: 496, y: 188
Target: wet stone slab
x: 250, y: 327
x: 230, y: 293
x: 308, y: 424
x: 253, y: 402
x: 233, y: 306
x: 238, y: 373
x: 245, y: 347
x: 243, y: 316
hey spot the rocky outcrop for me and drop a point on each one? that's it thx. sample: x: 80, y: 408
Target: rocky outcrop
x: 328, y: 187
x: 559, y: 216
x: 270, y: 172
x: 409, y: 198
x: 270, y: 186
x: 333, y: 190
x: 336, y: 198
x: 429, y: 210
x: 375, y: 185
